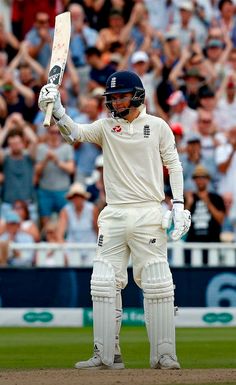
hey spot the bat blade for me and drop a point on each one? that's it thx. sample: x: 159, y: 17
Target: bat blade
x: 60, y: 49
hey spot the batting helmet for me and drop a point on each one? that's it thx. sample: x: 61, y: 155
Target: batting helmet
x: 122, y: 82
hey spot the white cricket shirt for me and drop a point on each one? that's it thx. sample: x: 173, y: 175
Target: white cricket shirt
x: 134, y: 154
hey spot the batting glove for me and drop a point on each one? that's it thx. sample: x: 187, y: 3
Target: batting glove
x: 50, y: 94
x: 181, y: 218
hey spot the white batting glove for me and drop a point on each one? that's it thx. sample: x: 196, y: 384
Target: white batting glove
x: 181, y: 218
x: 50, y: 94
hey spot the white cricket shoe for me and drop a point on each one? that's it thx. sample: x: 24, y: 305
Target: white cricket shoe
x: 95, y: 363
x: 167, y: 362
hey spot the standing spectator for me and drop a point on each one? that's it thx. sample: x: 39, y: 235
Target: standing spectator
x: 99, y: 71
x: 77, y: 221
x: 8, y: 42
x: 18, y: 97
x: 225, y: 109
x: 53, y: 172
x: 181, y: 113
x: 83, y: 36
x: 18, y: 168
x: 13, y: 233
x: 39, y: 39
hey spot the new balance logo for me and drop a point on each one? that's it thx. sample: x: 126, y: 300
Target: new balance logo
x: 146, y: 131
x: 100, y: 240
x: 152, y: 241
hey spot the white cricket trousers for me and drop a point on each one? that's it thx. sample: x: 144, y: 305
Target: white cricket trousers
x: 131, y: 231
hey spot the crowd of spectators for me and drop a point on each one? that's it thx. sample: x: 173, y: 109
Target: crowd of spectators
x: 185, y: 54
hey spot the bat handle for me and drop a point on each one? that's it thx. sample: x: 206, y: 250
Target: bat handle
x: 48, y: 115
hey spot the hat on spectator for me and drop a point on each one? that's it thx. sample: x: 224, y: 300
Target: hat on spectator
x: 171, y: 34
x: 215, y: 43
x: 177, y: 129
x: 175, y: 98
x: 186, y: 5
x: 12, y: 217
x: 77, y: 189
x: 193, y: 138
x: 193, y: 73
x: 200, y: 171
x: 99, y: 161
x: 139, y: 56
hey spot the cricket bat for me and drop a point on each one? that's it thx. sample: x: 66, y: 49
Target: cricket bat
x: 60, y: 49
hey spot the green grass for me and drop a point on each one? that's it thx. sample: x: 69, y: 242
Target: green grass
x: 25, y: 348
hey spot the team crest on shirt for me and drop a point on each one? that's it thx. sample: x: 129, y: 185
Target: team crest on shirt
x: 146, y: 131
x: 116, y: 129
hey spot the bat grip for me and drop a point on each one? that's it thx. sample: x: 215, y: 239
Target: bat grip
x: 48, y: 115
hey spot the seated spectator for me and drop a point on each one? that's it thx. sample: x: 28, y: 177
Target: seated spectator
x: 178, y: 132
x: 26, y: 224
x: 207, y: 210
x: 78, y: 219
x: 53, y: 172
x: 50, y: 257
x: 13, y: 233
x: 95, y: 185
x: 228, y: 231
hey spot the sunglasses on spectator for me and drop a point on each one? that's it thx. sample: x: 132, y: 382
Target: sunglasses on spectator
x: 206, y: 121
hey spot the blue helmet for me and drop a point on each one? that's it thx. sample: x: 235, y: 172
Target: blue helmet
x: 121, y: 82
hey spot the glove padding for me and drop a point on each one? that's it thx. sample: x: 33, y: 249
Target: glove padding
x: 50, y: 94
x: 182, y: 222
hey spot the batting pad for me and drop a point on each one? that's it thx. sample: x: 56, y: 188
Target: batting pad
x: 158, y: 294
x: 103, y: 291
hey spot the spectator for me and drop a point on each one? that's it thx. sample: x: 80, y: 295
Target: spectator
x: 18, y: 167
x: 78, y: 219
x: 51, y: 257
x: 190, y: 27
x: 207, y: 211
x: 18, y: 97
x: 13, y: 233
x: 226, y: 161
x: 95, y: 185
x: 228, y: 231
x: 149, y: 72
x: 83, y: 36
x: 211, y: 137
x: 192, y: 157
x: 8, y: 42
x: 178, y: 132
x: 112, y: 33
x: 26, y: 223
x: 86, y: 153
x: 53, y: 172
x: 225, y: 111
x: 39, y: 39
x: 99, y: 71
x: 181, y: 113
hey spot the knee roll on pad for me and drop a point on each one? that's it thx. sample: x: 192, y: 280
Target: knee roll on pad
x: 103, y: 291
x: 158, y: 291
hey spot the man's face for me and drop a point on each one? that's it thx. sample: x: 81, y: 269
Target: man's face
x: 16, y: 145
x: 201, y: 182
x: 121, y: 102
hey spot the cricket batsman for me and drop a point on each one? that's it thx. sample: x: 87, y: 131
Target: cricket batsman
x: 135, y: 147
